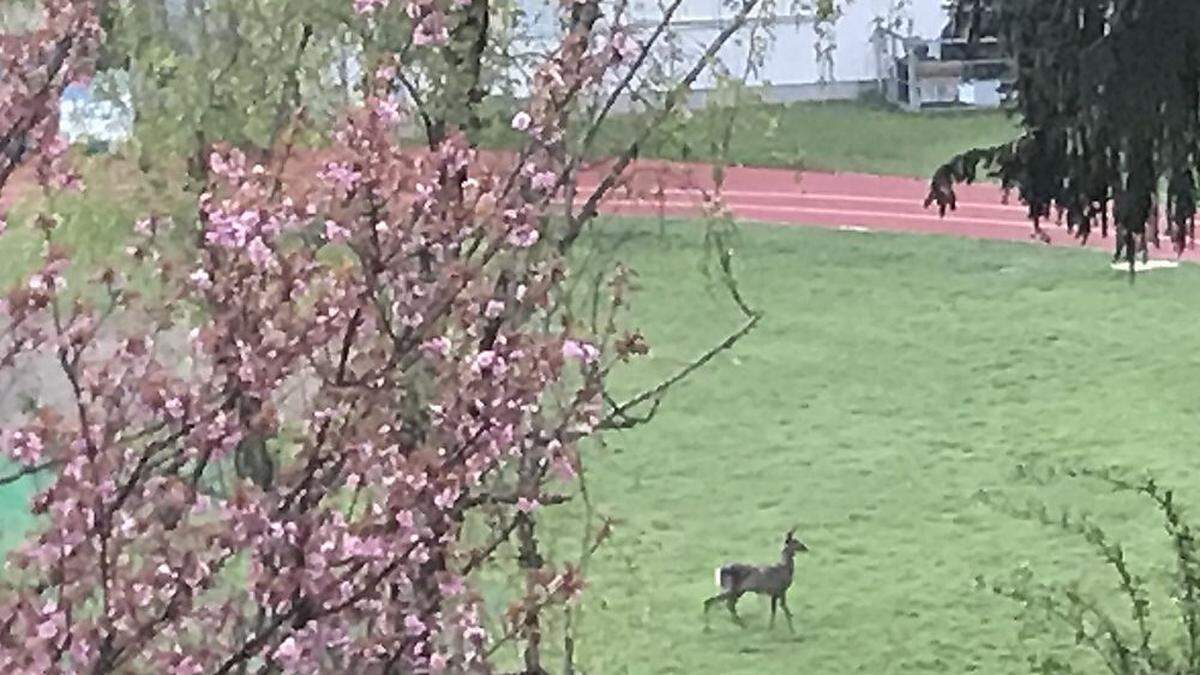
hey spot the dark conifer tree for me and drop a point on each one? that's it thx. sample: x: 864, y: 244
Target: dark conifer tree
x: 1108, y: 95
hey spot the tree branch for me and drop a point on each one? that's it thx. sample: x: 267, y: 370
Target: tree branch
x: 591, y: 206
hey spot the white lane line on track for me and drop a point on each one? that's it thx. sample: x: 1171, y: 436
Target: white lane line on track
x: 848, y: 213
x: 774, y: 194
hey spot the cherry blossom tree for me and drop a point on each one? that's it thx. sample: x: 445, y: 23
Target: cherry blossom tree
x: 36, y: 68
x: 348, y: 396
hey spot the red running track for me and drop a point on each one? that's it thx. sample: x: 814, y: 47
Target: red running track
x: 831, y: 200
x: 837, y: 200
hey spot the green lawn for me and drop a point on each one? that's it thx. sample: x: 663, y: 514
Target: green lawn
x: 893, y: 378
x: 834, y: 136
x: 847, y: 136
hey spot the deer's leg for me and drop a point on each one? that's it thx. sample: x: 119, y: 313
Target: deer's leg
x: 731, y: 602
x: 714, y: 600
x: 708, y: 604
x: 787, y: 613
x: 730, y: 599
x: 774, y: 602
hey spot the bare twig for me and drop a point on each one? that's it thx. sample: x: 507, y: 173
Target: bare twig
x: 614, y: 418
x: 591, y: 206
x: 27, y: 471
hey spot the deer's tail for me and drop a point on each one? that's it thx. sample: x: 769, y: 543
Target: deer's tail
x: 730, y: 576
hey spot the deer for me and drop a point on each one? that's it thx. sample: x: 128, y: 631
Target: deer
x: 737, y: 579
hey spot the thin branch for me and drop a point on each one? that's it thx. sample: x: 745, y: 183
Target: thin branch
x: 27, y: 471
x: 15, y: 136
x: 668, y: 14
x: 591, y: 206
x: 620, y: 411
x: 481, y: 556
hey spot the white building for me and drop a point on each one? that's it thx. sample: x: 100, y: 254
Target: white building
x: 806, y: 60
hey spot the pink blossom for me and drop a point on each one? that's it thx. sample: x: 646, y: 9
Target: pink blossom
x: 579, y: 351
x: 438, y: 663
x: 288, y: 652
x: 188, y: 666
x: 452, y: 586
x: 494, y: 309
x: 143, y: 226
x: 47, y: 630
x: 201, y: 279
x: 484, y: 360
x: 174, y: 408
x: 26, y: 447
x: 233, y: 168
x: 545, y: 180
x: 260, y: 254
x: 521, y: 121
x: 563, y: 468
x: 405, y: 519
x: 387, y: 110
x: 625, y: 47
x: 386, y: 72
x: 336, y: 234
x: 437, y: 347
x: 364, y: 548
x: 523, y: 236
x: 369, y: 6
x: 430, y: 31
x: 413, y: 320
x: 413, y: 626
x: 340, y: 176
x: 525, y: 505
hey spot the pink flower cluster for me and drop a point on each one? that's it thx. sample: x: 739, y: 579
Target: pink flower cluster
x: 37, y: 66
x: 370, y: 6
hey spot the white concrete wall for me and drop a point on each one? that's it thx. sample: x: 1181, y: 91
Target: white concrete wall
x: 790, y: 67
x: 792, y: 61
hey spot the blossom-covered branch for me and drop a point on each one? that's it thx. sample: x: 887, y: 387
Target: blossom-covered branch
x: 37, y: 66
x: 203, y: 518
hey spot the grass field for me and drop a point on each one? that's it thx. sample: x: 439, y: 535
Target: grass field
x: 832, y: 136
x: 893, y: 378
x: 844, y: 136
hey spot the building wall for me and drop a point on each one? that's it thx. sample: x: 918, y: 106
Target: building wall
x: 790, y: 71
x: 792, y: 61
x: 791, y: 67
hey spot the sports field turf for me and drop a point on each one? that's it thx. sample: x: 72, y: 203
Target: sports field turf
x: 894, y: 377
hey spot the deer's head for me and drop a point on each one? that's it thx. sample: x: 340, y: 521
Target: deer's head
x: 792, y: 545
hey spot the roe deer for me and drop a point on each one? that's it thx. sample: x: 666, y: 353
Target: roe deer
x: 737, y: 579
